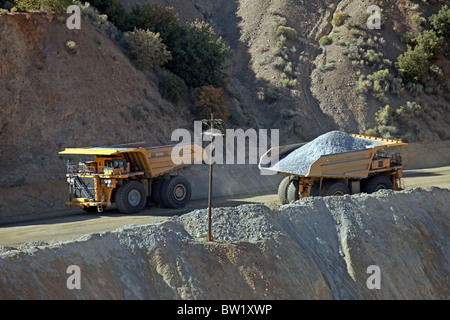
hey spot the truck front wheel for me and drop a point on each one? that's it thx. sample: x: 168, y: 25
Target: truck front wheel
x: 130, y: 197
x: 334, y: 189
x: 376, y: 183
x: 293, y: 190
x: 282, y: 190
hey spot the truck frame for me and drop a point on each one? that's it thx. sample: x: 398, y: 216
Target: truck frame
x: 127, y: 175
x: 338, y: 174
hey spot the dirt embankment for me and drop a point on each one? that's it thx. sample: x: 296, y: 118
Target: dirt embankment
x: 316, y: 248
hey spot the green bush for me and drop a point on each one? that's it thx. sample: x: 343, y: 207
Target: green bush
x: 415, y: 62
x: 157, y: 18
x: 288, y: 32
x: 42, y: 5
x: 399, y: 123
x: 339, y: 18
x: 418, y: 19
x: 430, y: 42
x: 271, y: 94
x: 172, y: 87
x: 440, y: 22
x: 409, y: 38
x: 325, y: 41
x: 146, y: 49
x: 198, y: 56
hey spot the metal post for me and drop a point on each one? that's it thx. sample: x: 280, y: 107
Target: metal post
x: 212, y: 134
x: 210, y: 181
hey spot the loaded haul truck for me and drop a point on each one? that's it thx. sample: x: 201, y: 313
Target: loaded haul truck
x: 127, y: 175
x: 335, y: 164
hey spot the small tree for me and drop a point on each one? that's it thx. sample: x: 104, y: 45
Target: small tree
x: 210, y: 100
x: 198, y: 56
x: 146, y: 49
x: 157, y: 18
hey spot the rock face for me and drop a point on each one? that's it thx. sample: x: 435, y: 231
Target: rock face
x: 316, y: 248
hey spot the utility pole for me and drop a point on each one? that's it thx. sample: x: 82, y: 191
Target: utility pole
x: 212, y: 134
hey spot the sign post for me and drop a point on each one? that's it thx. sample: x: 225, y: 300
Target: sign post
x: 212, y: 134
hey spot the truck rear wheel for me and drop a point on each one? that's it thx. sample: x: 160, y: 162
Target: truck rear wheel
x: 282, y: 190
x: 130, y: 197
x: 376, y: 183
x: 334, y: 189
x: 176, y: 192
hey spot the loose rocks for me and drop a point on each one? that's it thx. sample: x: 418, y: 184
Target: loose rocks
x: 315, y: 248
x: 299, y: 161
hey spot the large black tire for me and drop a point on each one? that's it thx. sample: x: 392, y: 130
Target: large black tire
x: 131, y: 197
x: 376, y: 183
x: 282, y: 190
x: 334, y: 189
x: 176, y: 192
x: 293, y: 191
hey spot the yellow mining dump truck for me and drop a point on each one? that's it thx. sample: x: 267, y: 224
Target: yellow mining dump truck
x: 367, y: 170
x: 128, y: 175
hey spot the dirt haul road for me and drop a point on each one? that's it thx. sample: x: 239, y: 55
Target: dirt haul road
x: 74, y: 223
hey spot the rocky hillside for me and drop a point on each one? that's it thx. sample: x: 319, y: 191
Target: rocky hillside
x: 316, y: 248
x: 281, y: 77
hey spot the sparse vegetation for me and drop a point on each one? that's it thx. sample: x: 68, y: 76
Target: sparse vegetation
x: 72, y: 46
x: 43, y: 5
x: 325, y: 41
x: 288, y: 32
x: 398, y: 123
x: 339, y: 18
x: 404, y: 122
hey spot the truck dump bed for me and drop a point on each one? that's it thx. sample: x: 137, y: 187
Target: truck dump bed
x: 305, y: 159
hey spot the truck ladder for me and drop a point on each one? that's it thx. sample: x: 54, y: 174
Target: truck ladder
x: 79, y: 184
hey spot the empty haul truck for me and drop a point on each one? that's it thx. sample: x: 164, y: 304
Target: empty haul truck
x: 128, y: 175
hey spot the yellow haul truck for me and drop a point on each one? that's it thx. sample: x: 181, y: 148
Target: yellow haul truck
x: 367, y: 170
x: 127, y: 175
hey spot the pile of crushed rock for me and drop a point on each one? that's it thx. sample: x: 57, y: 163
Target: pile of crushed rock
x: 333, y: 142
x: 315, y: 248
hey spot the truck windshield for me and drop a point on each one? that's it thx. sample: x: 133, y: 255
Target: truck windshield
x: 116, y: 163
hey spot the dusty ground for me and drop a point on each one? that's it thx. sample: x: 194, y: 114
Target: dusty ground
x: 75, y: 223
